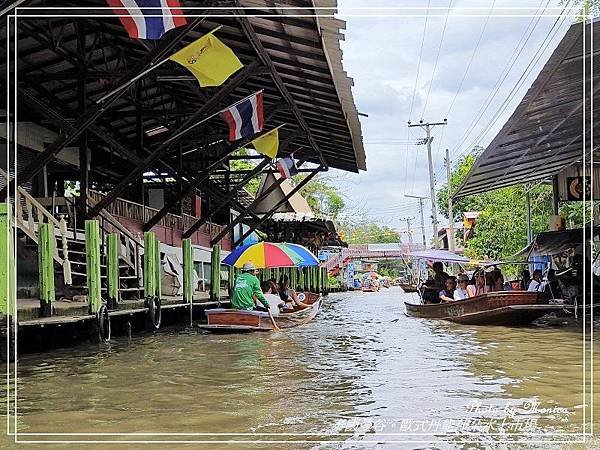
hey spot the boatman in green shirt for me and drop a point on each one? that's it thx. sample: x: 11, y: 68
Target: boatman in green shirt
x: 247, y: 289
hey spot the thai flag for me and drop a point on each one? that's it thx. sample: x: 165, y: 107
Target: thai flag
x: 287, y: 167
x: 245, y: 118
x: 148, y: 19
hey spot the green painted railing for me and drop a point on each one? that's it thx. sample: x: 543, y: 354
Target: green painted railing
x: 46, y: 249
x: 188, y: 271
x: 151, y: 265
x: 7, y: 260
x: 92, y: 260
x: 112, y: 267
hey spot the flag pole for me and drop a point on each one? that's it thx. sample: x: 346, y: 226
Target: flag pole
x: 240, y: 101
x: 208, y: 118
x: 137, y: 77
x: 130, y: 82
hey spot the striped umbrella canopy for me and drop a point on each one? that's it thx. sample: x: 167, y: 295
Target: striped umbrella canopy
x: 267, y: 255
x: 308, y: 258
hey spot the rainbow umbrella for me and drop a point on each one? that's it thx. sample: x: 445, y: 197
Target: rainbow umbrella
x: 266, y: 255
x: 307, y: 257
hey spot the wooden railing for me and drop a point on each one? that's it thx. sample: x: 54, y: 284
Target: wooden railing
x: 132, y: 210
x: 29, y: 213
x: 131, y: 244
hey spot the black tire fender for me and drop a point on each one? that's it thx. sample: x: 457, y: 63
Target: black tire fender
x: 154, y: 311
x: 103, y: 318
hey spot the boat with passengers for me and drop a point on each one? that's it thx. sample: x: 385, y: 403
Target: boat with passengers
x: 516, y: 306
x: 235, y: 320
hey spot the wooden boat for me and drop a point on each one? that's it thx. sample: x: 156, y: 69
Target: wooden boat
x: 235, y: 320
x: 494, y: 308
x: 408, y: 287
x: 370, y: 286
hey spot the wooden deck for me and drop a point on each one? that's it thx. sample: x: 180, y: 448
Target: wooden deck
x: 66, y: 311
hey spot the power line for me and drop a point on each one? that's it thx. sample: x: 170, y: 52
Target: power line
x: 412, y: 102
x: 437, y: 57
x: 457, y: 152
x: 536, y: 57
x: 506, y: 104
x: 503, y: 75
x: 471, y: 59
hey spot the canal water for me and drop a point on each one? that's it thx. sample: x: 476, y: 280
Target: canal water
x: 361, y: 372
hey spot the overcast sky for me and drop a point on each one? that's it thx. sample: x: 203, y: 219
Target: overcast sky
x: 382, y: 53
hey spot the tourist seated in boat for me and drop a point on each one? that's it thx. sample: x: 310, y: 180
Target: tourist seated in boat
x: 525, y: 279
x: 447, y: 294
x: 480, y: 287
x: 433, y: 286
x: 275, y: 302
x: 498, y: 281
x: 274, y: 285
x: 288, y: 295
x: 461, y: 293
x: 246, y: 291
x: 537, y: 284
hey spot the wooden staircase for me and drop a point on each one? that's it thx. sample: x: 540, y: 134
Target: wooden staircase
x: 69, y: 254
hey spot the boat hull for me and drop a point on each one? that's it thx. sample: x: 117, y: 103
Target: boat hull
x: 494, y: 308
x: 408, y: 288
x: 235, y: 320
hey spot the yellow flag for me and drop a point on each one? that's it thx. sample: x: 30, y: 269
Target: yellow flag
x: 211, y: 61
x: 268, y: 143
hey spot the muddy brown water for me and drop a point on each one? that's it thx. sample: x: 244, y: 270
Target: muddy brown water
x: 361, y: 375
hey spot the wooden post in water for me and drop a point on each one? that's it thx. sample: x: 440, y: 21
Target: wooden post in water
x: 149, y: 264
x: 46, y: 245
x: 7, y: 262
x: 92, y: 262
x: 215, y: 282
x: 230, y: 279
x: 318, y: 276
x: 188, y: 276
x: 112, y: 269
x: 157, y: 267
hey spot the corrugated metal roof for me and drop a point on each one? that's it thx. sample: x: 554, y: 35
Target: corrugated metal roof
x: 545, y: 132
x: 305, y: 53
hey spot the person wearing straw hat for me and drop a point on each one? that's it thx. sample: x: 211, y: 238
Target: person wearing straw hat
x: 247, y: 291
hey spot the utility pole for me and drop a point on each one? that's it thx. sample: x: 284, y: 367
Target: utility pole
x: 422, y: 215
x: 428, y: 127
x: 450, y: 213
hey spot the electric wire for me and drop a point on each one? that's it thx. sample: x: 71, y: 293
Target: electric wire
x: 536, y: 57
x: 412, y: 102
x: 503, y: 75
x: 462, y: 81
x: 437, y: 57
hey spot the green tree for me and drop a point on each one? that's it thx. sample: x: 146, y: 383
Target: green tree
x: 367, y: 233
x: 322, y: 196
x: 501, y: 228
x: 245, y: 164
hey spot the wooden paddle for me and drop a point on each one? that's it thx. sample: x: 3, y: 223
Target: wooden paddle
x: 275, y: 327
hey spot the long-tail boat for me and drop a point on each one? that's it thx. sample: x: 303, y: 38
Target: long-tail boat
x: 408, y: 287
x: 493, y: 308
x: 235, y: 320
x: 515, y: 307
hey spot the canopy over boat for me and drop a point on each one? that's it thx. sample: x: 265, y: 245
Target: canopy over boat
x: 449, y: 257
x: 439, y: 255
x: 555, y: 242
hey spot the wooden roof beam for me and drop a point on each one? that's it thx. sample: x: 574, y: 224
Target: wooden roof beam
x: 265, y: 58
